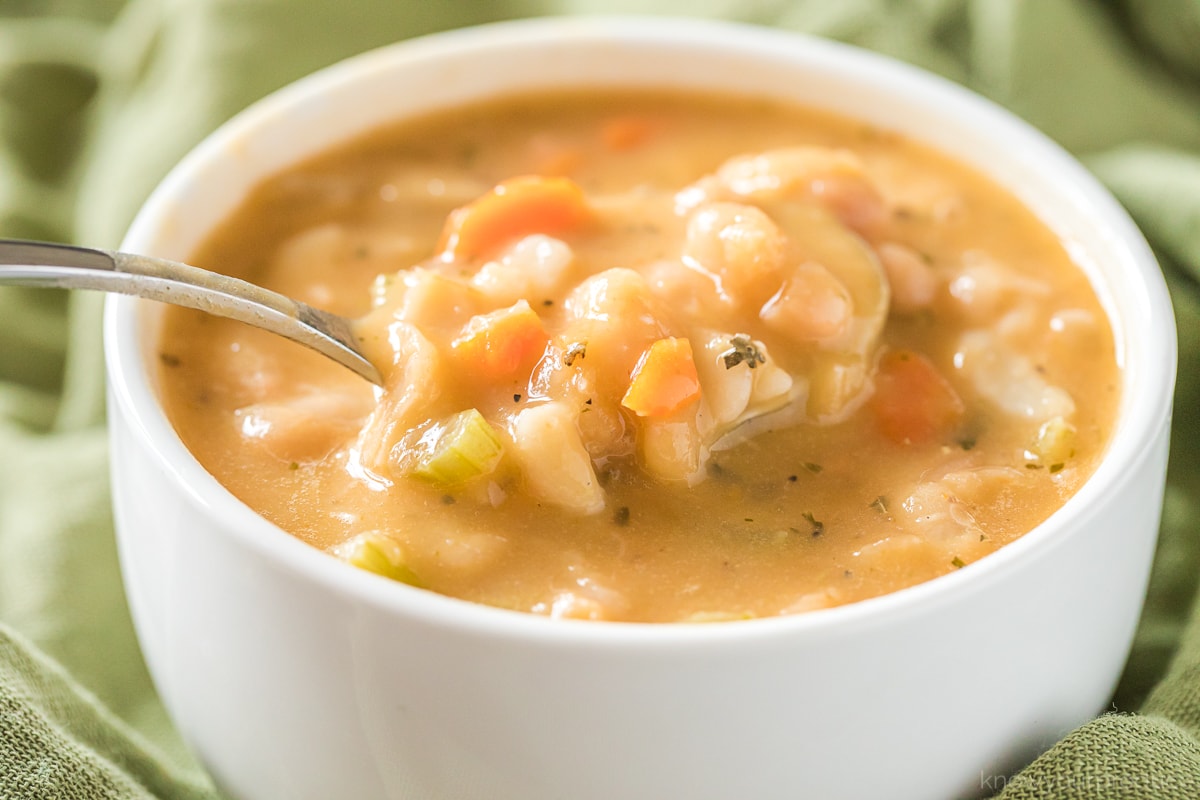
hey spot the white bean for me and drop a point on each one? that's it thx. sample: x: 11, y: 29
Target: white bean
x: 835, y: 178
x: 532, y: 268
x: 1009, y: 379
x: 737, y: 246
x: 913, y: 281
x: 307, y: 426
x: 811, y: 305
x: 553, y: 460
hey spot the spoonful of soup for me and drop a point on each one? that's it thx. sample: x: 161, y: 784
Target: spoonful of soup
x: 549, y: 332
x: 24, y: 263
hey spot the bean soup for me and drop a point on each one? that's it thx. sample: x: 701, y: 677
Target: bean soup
x: 650, y: 357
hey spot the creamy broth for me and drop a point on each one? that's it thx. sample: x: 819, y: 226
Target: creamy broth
x: 932, y: 375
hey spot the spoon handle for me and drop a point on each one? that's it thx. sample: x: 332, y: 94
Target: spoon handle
x: 43, y: 264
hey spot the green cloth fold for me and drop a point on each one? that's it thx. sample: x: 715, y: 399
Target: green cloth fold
x: 57, y: 741
x: 99, y: 98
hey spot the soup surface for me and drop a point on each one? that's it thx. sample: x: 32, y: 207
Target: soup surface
x: 650, y: 357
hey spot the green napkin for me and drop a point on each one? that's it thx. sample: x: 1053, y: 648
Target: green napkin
x: 98, y: 98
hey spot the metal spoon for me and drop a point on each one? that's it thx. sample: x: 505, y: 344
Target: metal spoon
x: 25, y: 263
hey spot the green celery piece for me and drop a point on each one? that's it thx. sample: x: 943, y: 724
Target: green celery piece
x: 381, y: 554
x: 1054, y: 443
x: 467, y: 447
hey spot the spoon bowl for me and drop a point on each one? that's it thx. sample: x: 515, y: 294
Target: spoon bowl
x: 24, y: 263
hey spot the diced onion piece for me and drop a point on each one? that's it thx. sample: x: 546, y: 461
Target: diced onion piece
x: 379, y: 553
x: 914, y: 549
x: 771, y: 386
x: 412, y: 384
x: 664, y: 379
x: 606, y: 430
x: 452, y: 452
x: 672, y: 449
x: 936, y: 513
x: 726, y: 391
x: 557, y: 468
x: 940, y: 511
x: 734, y: 393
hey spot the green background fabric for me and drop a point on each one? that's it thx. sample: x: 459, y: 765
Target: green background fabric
x: 98, y: 98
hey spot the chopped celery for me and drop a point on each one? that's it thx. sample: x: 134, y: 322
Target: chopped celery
x: 463, y: 447
x: 379, y: 553
x: 1054, y: 444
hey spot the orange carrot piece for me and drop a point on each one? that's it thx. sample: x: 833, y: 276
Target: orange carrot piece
x: 560, y: 162
x: 628, y: 132
x: 518, y: 206
x: 913, y: 403
x: 497, y: 344
x: 664, y: 379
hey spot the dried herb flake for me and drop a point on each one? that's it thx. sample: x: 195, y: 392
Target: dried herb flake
x: 743, y: 349
x: 576, y: 350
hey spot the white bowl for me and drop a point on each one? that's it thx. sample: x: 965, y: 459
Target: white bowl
x: 292, y: 675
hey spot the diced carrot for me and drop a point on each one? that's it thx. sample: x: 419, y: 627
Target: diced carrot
x: 551, y: 153
x: 664, y: 379
x: 913, y: 403
x: 519, y: 206
x: 561, y: 162
x: 497, y: 344
x: 628, y: 132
